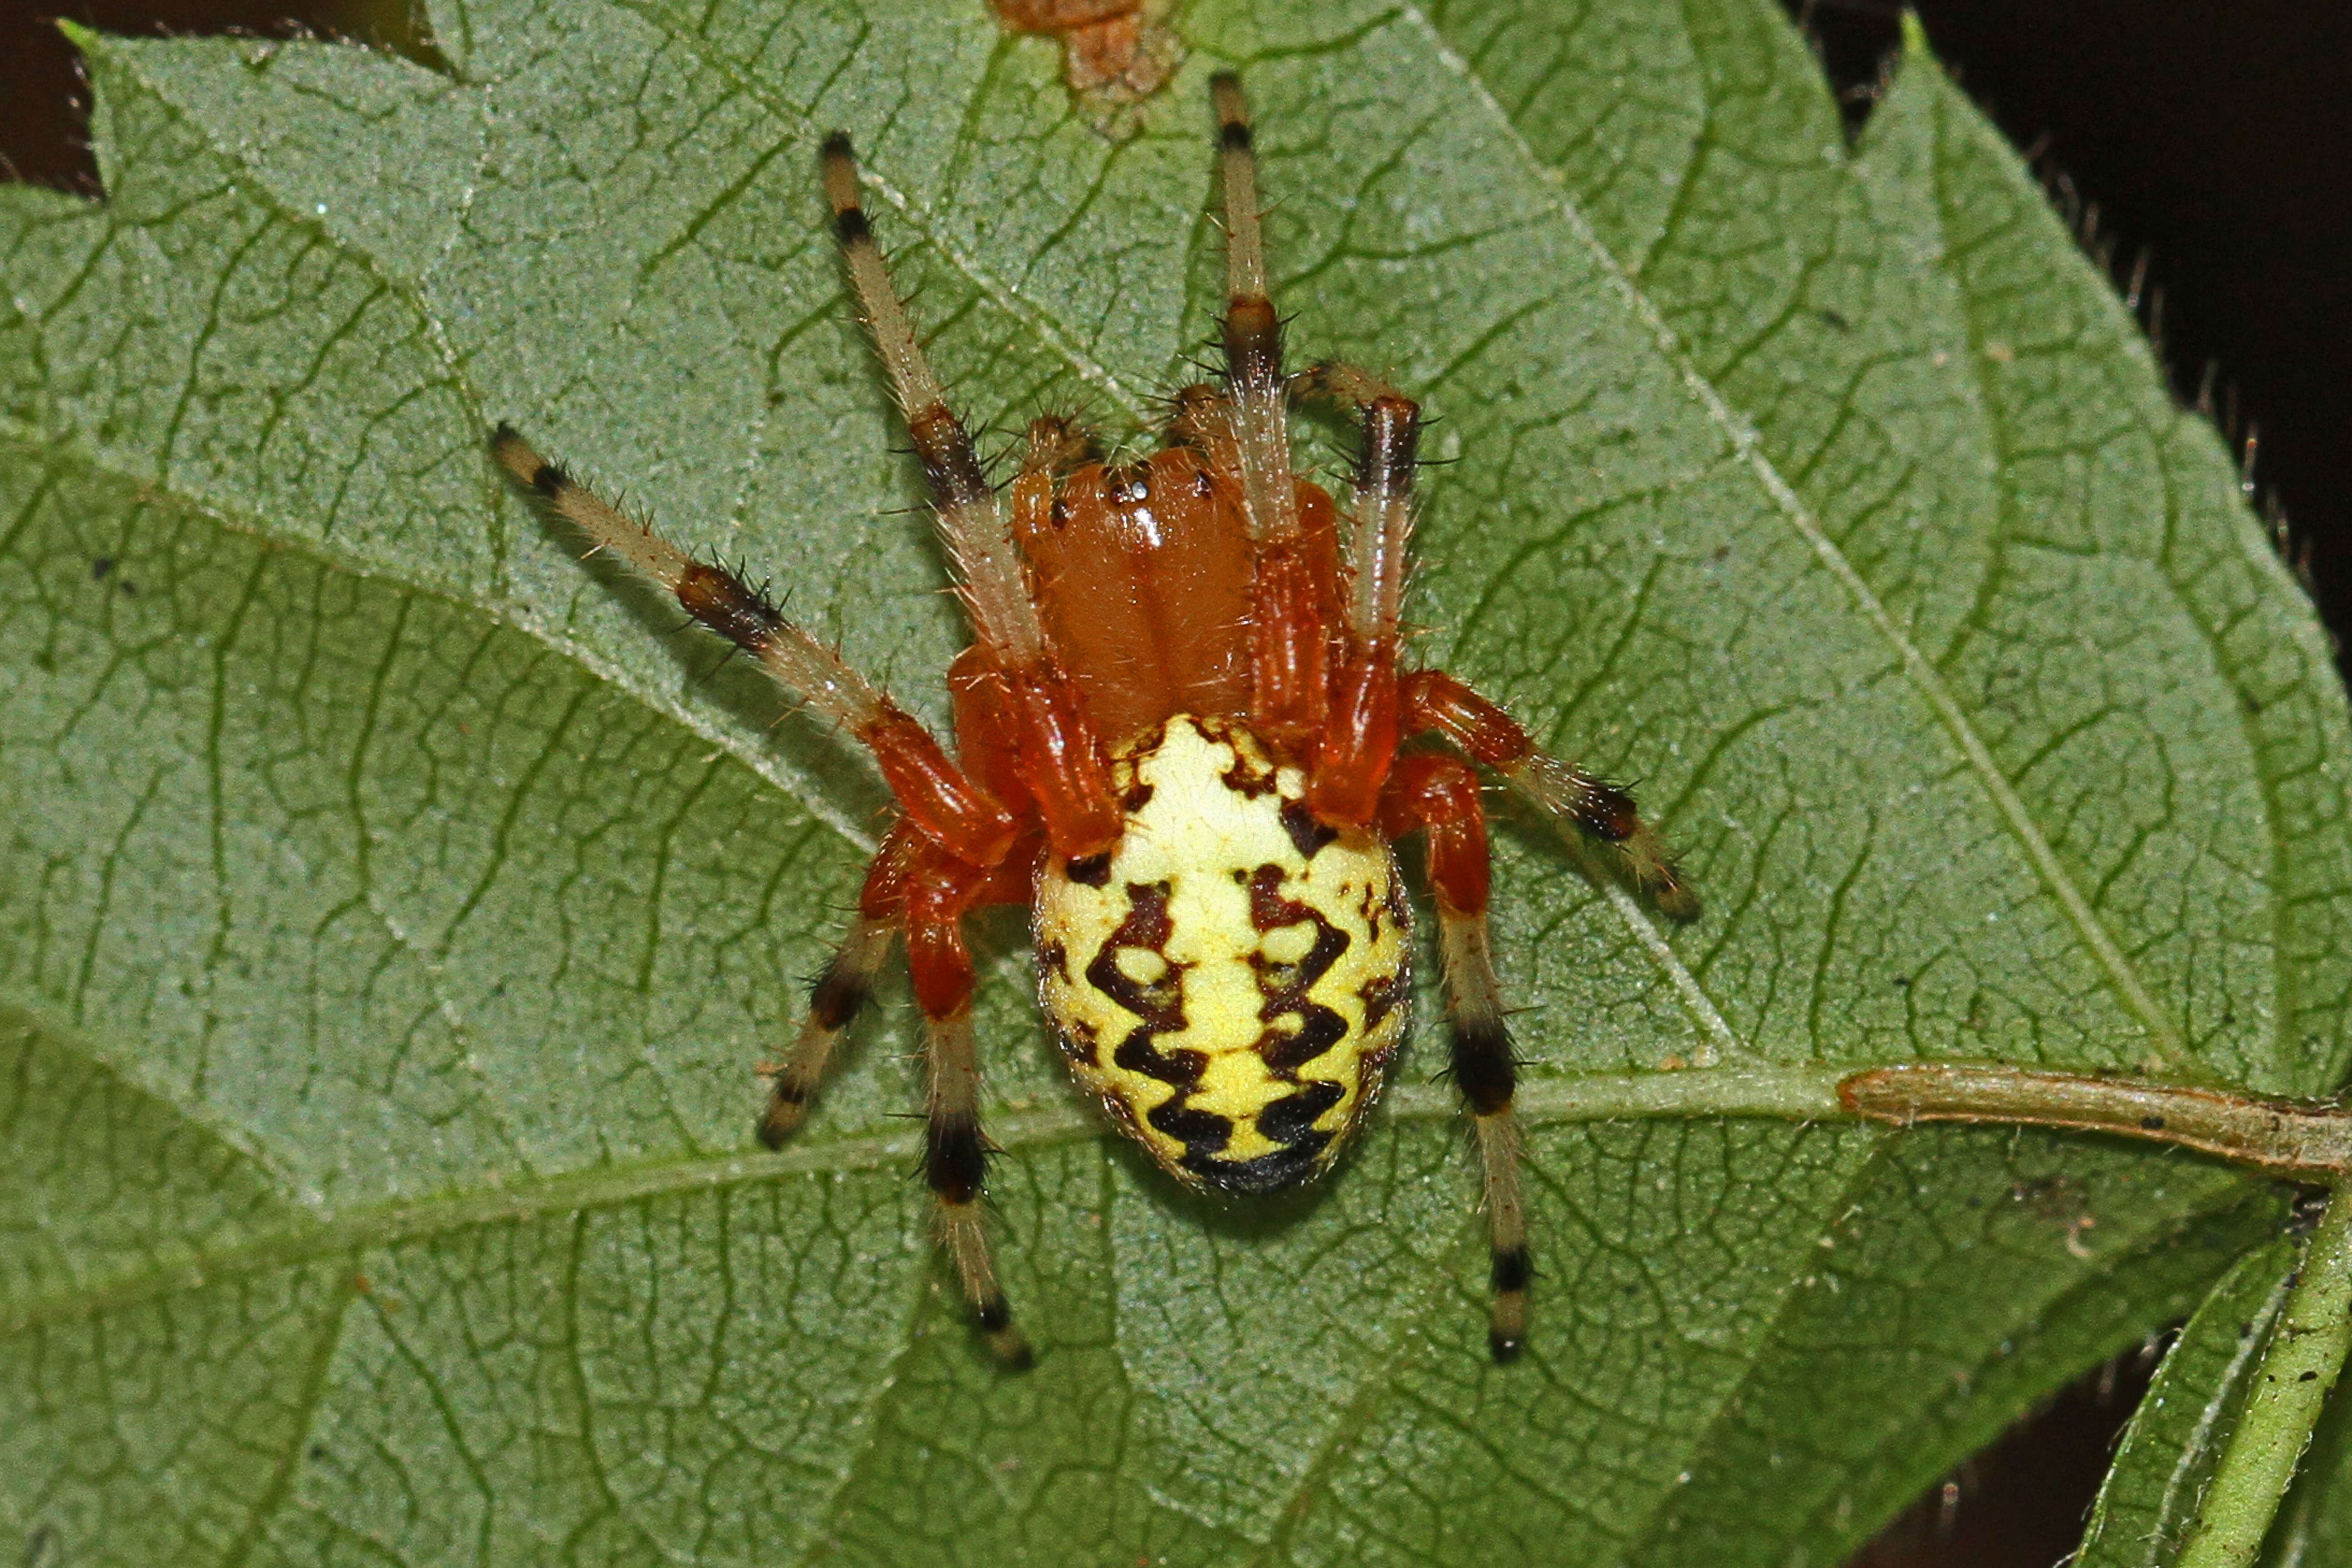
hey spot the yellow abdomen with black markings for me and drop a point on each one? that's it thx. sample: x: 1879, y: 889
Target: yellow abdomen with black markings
x: 1231, y: 978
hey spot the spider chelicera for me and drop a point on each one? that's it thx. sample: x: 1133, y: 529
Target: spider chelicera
x: 1185, y: 740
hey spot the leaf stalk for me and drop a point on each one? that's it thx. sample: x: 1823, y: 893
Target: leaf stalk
x: 2299, y: 1367
x: 2287, y: 1138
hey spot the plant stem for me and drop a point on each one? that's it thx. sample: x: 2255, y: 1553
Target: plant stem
x: 2282, y: 1136
x: 2299, y: 1366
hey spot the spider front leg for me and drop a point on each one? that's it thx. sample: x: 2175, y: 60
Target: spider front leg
x: 1252, y: 332
x: 1436, y: 701
x: 1289, y: 661
x: 932, y: 790
x: 1439, y: 796
x: 1354, y: 752
x: 1068, y: 770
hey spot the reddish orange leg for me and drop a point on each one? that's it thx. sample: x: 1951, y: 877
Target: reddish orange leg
x: 931, y: 789
x: 1063, y: 761
x: 1439, y: 794
x: 842, y: 991
x: 1437, y: 701
x: 1357, y: 744
x: 939, y: 892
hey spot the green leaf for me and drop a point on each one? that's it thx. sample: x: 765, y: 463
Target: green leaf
x: 2149, y: 1499
x: 391, y: 913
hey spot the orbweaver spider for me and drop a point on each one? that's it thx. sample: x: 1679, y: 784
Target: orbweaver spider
x: 1181, y: 740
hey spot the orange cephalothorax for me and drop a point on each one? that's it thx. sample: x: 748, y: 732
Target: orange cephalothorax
x: 1144, y: 575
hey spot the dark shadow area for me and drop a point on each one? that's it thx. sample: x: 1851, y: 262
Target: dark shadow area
x: 2020, y: 1503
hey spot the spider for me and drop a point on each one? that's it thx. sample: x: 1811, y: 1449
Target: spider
x: 1186, y: 740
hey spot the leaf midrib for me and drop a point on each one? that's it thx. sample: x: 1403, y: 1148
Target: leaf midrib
x: 1772, y: 1094
x: 1746, y: 446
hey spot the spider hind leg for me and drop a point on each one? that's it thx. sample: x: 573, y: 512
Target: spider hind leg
x: 839, y: 994
x: 1438, y: 795
x: 939, y: 893
x: 841, y: 989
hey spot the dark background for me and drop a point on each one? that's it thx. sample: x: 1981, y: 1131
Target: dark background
x: 2216, y: 134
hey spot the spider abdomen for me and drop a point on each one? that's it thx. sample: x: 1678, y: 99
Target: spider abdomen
x: 1230, y: 979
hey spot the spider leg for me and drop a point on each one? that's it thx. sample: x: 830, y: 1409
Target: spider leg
x: 841, y: 992
x: 1387, y: 453
x: 1435, y: 700
x: 979, y: 545
x: 1439, y: 793
x: 1359, y: 742
x: 938, y: 891
x: 1288, y: 657
x: 1252, y: 332
x: 1069, y: 772
x: 935, y: 794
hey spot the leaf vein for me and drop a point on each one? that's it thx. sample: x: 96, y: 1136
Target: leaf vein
x: 1746, y: 446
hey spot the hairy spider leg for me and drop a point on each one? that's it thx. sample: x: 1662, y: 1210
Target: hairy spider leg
x: 1381, y: 511
x: 843, y: 988
x: 1437, y: 701
x: 1252, y: 331
x: 839, y: 994
x: 938, y: 891
x: 1439, y: 794
x: 923, y: 879
x: 987, y: 563
x: 917, y: 887
x: 1289, y: 655
x: 1360, y: 737
x: 1068, y: 773
x: 930, y: 788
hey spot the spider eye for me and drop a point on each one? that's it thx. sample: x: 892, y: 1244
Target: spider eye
x: 1128, y: 487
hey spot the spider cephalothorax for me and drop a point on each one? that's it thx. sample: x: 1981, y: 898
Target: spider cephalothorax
x: 1184, y: 739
